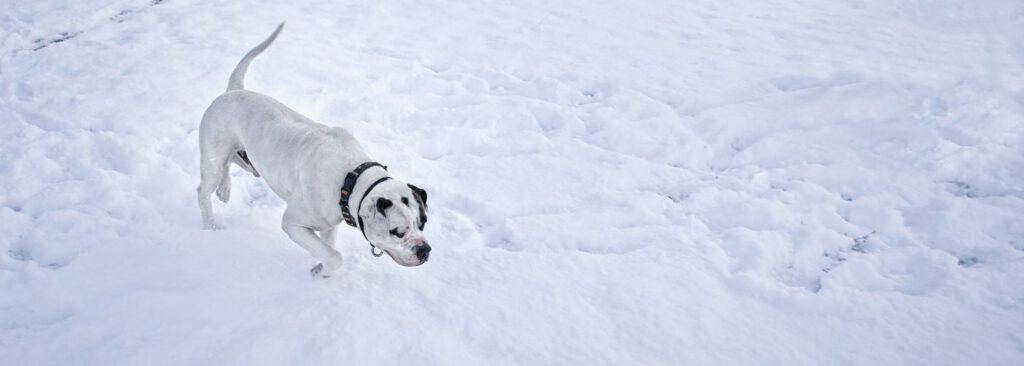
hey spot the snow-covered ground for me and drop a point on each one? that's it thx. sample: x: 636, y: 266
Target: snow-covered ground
x: 611, y: 182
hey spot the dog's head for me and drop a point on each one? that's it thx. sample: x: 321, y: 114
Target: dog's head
x: 393, y: 218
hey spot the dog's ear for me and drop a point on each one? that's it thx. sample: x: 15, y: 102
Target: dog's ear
x: 421, y: 197
x: 383, y: 204
x: 419, y: 192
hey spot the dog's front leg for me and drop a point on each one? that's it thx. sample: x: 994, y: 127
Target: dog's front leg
x: 303, y: 235
x: 327, y: 236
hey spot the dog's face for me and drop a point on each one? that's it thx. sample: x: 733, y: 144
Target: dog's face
x: 393, y: 218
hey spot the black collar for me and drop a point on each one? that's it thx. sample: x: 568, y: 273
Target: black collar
x: 350, y: 184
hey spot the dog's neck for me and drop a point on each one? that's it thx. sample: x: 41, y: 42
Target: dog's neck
x: 361, y: 188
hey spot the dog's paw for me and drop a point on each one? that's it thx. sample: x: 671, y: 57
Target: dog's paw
x: 213, y: 226
x: 327, y: 268
x: 318, y: 271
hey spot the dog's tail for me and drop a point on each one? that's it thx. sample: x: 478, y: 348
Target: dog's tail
x: 235, y: 83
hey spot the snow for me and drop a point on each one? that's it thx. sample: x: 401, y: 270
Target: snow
x: 701, y: 182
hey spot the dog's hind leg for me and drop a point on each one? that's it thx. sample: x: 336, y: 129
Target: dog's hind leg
x: 213, y: 171
x: 224, y: 187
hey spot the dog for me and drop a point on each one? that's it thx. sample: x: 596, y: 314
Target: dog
x: 321, y: 172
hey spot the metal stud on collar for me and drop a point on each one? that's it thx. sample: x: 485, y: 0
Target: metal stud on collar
x: 376, y: 252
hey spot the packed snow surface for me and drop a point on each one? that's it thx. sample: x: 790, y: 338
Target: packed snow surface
x: 611, y: 182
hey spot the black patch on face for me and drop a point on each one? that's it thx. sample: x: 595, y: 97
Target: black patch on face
x: 421, y: 198
x: 383, y: 204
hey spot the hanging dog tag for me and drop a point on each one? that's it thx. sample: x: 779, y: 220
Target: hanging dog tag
x: 376, y: 252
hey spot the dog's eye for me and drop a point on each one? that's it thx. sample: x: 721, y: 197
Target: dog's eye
x: 405, y: 201
x: 396, y: 233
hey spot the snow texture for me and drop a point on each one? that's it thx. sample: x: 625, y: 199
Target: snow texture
x: 611, y: 182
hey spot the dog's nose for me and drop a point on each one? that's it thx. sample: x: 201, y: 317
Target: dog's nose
x: 422, y: 252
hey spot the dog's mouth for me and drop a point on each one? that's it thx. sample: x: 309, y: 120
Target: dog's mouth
x: 398, y: 259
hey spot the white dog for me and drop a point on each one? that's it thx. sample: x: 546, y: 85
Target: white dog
x: 321, y: 172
